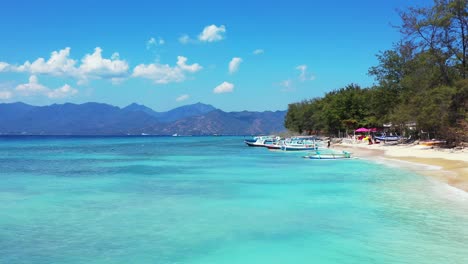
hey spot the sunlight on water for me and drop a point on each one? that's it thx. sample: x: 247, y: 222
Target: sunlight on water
x: 214, y: 200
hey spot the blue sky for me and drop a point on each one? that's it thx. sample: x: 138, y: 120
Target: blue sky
x: 172, y: 53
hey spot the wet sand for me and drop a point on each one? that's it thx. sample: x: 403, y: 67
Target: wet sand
x: 447, y: 166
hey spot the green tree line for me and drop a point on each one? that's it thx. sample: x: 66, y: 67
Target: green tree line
x: 422, y: 80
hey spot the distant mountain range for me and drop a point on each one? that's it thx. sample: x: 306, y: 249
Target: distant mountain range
x: 135, y: 119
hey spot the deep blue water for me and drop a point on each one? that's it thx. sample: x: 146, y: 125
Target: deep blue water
x: 214, y: 200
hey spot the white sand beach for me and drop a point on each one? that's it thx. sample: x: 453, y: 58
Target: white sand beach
x: 447, y: 165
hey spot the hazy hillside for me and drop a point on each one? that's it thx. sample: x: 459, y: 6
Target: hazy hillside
x: 135, y: 119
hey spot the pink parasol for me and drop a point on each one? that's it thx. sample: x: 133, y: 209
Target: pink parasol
x: 362, y: 129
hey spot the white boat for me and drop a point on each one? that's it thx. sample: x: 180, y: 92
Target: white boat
x: 303, y: 147
x: 384, y: 137
x: 388, y: 138
x: 299, y: 144
x: 329, y: 155
x: 261, y: 141
x: 275, y: 145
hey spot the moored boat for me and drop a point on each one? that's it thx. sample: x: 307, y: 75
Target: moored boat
x: 261, y: 141
x: 299, y: 144
x: 303, y: 147
x: 329, y: 155
x: 388, y: 138
x: 275, y: 145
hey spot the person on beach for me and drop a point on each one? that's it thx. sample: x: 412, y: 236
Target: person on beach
x: 328, y: 144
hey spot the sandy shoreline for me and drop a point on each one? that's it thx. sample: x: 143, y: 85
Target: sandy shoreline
x: 445, y: 165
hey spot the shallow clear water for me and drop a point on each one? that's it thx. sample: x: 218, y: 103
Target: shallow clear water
x: 214, y: 200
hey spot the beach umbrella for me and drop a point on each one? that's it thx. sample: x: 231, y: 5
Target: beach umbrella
x: 362, y: 129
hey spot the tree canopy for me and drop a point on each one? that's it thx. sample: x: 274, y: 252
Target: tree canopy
x: 422, y: 80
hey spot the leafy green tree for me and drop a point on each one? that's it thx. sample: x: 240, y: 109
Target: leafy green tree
x: 422, y: 80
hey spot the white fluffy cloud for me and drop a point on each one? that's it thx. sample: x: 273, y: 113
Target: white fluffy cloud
x: 93, y: 66
x: 33, y: 87
x: 62, y: 92
x: 304, y: 76
x: 225, y: 87
x: 59, y: 64
x: 234, y: 64
x: 163, y: 73
x: 159, y: 73
x: 182, y: 63
x: 182, y: 97
x: 258, y: 52
x: 212, y: 33
x: 4, y: 66
x: 5, y: 95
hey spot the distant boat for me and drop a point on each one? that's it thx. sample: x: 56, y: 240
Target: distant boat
x: 303, y: 147
x: 275, y: 145
x: 144, y: 134
x: 251, y: 140
x: 388, y: 138
x: 261, y: 141
x: 329, y: 155
x: 299, y: 144
x: 175, y: 135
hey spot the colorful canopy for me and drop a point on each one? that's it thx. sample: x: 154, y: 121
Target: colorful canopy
x: 362, y: 129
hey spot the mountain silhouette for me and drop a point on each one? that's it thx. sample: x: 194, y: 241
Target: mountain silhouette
x: 134, y: 119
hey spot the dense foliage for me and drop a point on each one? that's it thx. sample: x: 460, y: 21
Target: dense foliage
x: 422, y: 81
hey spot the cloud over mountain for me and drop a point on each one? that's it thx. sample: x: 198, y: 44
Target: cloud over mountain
x: 225, y: 87
x: 164, y: 73
x: 33, y: 87
x: 182, y: 97
x: 93, y: 66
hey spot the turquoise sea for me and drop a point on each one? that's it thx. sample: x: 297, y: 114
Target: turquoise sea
x: 213, y: 200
